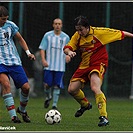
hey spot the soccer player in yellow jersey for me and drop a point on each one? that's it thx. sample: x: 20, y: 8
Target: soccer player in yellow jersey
x: 91, y: 42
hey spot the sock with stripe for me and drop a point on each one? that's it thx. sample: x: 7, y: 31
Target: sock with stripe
x: 23, y: 101
x: 81, y: 99
x: 9, y: 102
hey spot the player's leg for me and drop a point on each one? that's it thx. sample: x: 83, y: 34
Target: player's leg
x: 56, y: 93
x: 21, y: 81
x: 48, y: 96
x: 47, y: 80
x: 96, y: 82
x: 24, y: 98
x: 32, y: 85
x: 58, y: 84
x: 75, y: 90
x: 8, y: 98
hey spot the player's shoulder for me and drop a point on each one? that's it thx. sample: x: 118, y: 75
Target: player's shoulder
x: 97, y: 28
x: 103, y: 29
x: 49, y: 32
x: 64, y: 34
x: 76, y: 34
x: 8, y: 22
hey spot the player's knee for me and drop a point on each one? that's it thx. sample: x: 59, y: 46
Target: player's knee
x: 96, y: 89
x: 5, y: 89
x: 46, y: 86
x: 71, y: 91
x: 6, y: 85
x: 25, y: 88
x: 93, y: 88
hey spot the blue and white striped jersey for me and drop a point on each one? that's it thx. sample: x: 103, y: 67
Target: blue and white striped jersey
x: 53, y: 45
x: 8, y: 52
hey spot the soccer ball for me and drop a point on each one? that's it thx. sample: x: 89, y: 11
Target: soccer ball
x: 52, y: 117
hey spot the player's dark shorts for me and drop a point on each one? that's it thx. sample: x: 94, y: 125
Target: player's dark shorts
x: 84, y: 74
x: 17, y: 73
x: 53, y: 78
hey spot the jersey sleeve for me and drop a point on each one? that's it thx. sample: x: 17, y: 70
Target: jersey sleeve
x: 43, y: 44
x: 68, y: 39
x: 108, y: 35
x: 14, y: 28
x: 73, y: 43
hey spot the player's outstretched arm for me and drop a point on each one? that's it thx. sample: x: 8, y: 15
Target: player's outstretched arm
x: 127, y: 34
x: 23, y: 44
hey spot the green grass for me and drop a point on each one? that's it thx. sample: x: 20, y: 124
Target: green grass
x: 120, y: 114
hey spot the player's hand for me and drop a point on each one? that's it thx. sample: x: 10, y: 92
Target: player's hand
x: 68, y: 58
x: 71, y: 54
x: 31, y: 56
x: 45, y: 64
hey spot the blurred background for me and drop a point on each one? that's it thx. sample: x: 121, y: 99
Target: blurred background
x: 35, y: 18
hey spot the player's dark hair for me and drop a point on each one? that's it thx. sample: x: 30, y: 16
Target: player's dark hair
x: 81, y: 20
x: 3, y: 11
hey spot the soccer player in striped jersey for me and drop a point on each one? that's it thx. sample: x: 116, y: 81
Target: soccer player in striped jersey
x: 10, y: 66
x: 53, y: 60
x: 91, y: 42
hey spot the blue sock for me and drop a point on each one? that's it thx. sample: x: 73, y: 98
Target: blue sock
x: 23, y: 101
x: 9, y: 102
x: 56, y: 93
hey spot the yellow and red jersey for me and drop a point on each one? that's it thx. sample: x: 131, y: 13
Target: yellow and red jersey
x: 92, y: 47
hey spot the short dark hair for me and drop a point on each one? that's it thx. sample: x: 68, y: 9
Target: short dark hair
x: 81, y: 20
x: 3, y: 11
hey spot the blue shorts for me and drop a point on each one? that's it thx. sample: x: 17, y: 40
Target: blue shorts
x: 17, y: 73
x: 53, y: 78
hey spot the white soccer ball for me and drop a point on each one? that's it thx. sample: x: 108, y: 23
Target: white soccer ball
x: 53, y: 116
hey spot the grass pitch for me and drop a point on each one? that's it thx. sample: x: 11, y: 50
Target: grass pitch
x: 120, y: 115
